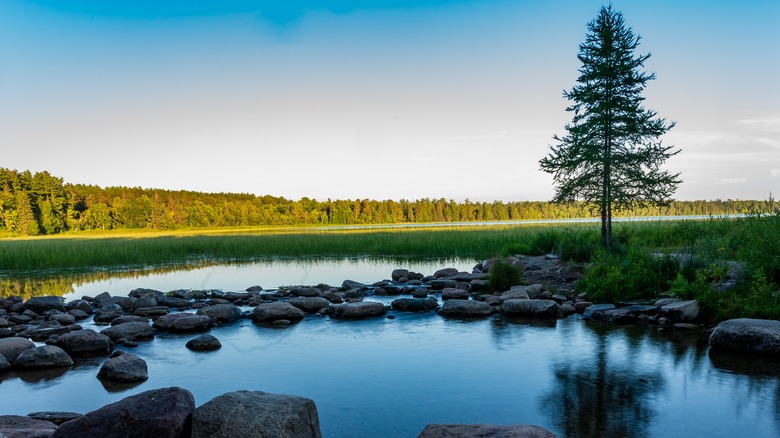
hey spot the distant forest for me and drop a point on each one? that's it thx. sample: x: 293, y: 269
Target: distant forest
x: 39, y: 204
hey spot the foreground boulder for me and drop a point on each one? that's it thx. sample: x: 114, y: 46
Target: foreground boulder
x: 46, y: 356
x: 757, y: 336
x: 13, y: 426
x: 270, y: 312
x: 484, y: 431
x: 85, y: 343
x: 56, y: 417
x: 160, y: 413
x: 362, y: 309
x: 126, y: 368
x: 182, y: 322
x: 257, y: 414
x: 467, y: 308
x: 12, y: 347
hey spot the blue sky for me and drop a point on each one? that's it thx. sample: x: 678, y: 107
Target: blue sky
x: 390, y: 100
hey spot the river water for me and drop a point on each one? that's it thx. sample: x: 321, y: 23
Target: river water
x: 390, y: 377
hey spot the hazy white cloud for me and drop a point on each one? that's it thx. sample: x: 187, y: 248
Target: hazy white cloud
x: 774, y: 173
x: 730, y: 180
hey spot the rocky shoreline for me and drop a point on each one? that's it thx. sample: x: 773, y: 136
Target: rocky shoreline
x: 547, y: 292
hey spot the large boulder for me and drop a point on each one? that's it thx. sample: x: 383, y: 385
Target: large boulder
x: 159, y: 413
x: 221, y: 312
x: 258, y: 414
x: 85, y: 343
x: 42, y: 304
x: 757, y: 336
x: 415, y: 304
x: 309, y: 304
x: 532, y: 308
x: 130, y: 331
x: 467, y: 308
x: 484, y: 431
x: 12, y: 347
x: 270, y: 312
x: 681, y: 311
x: 46, y: 356
x: 17, y: 426
x: 125, y: 368
x: 182, y: 322
x: 56, y: 417
x: 362, y: 309
x: 108, y: 313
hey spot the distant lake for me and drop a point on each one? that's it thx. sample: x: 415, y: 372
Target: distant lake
x: 390, y: 377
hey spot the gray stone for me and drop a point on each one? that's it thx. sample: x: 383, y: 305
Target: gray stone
x: 221, y: 312
x: 4, y: 364
x: 129, y: 318
x: 145, y: 301
x: 17, y: 426
x: 664, y: 301
x: 204, y: 343
x: 270, y: 312
x: 484, y: 431
x: 182, y: 322
x: 349, y: 284
x: 363, y: 309
x: 465, y: 308
x: 450, y: 293
x: 640, y: 309
x: 682, y: 311
x: 56, y: 417
x: 415, y: 304
x: 108, y: 313
x: 532, y: 308
x: 756, y: 336
x: 256, y: 414
x: 42, y: 304
x: 152, y: 312
x: 566, y: 309
x: 616, y: 316
x: 592, y: 310
x: 442, y: 284
x: 125, y: 368
x: 46, y: 356
x: 309, y: 304
x: 305, y: 291
x: 174, y: 303
x: 514, y: 294
x: 130, y: 331
x: 85, y: 343
x: 11, y: 348
x: 399, y: 274
x: 63, y: 319
x: 159, y: 413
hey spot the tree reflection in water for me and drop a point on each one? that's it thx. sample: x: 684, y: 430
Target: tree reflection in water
x: 605, y: 394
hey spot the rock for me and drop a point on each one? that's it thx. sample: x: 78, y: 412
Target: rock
x: 152, y: 312
x: 559, y: 298
x: 108, y: 313
x: 129, y: 318
x: 349, y: 284
x: 580, y: 306
x: 415, y: 304
x: 664, y: 301
x: 363, y: 309
x: 616, y: 316
x: 85, y: 343
x: 11, y: 348
x: 467, y: 308
x: 420, y: 293
x: 204, y: 343
x: 143, y: 292
x: 309, y: 304
x: 237, y: 296
x: 305, y: 291
x: 82, y: 305
x: 590, y: 311
x: 514, y: 294
x: 130, y: 331
x: 479, y: 285
x: 258, y: 414
x: 640, y: 309
x: 145, y: 301
x: 399, y: 274
x: 270, y: 312
x: 42, y: 304
x: 566, y: 309
x: 222, y: 312
x: 686, y: 327
x: 450, y: 293
x: 745, y: 335
x: 17, y: 426
x: 159, y: 413
x: 484, y: 431
x: 681, y: 311
x: 446, y: 272
x: 174, y: 303
x: 4, y: 364
x: 54, y: 417
x: 46, y: 356
x: 442, y: 284
x: 63, y: 319
x: 125, y: 368
x: 533, y: 308
x: 182, y: 322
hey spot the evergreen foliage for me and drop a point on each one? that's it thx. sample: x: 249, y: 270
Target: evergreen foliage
x: 611, y: 156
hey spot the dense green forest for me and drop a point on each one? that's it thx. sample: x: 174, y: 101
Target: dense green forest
x: 40, y: 203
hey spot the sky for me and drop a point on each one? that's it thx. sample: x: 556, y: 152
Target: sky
x: 350, y: 99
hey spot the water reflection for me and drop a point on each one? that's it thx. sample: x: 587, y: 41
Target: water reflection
x: 606, y: 392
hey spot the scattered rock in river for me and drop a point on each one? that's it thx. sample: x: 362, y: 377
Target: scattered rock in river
x: 465, y: 308
x: 85, y: 343
x: 204, y: 343
x: 42, y: 304
x: 182, y: 322
x: 46, y: 356
x: 415, y: 304
x: 129, y: 331
x: 746, y: 335
x: 159, y: 413
x: 450, y: 293
x: 309, y: 304
x: 682, y: 311
x: 125, y: 368
x: 363, y: 309
x: 256, y: 414
x: 56, y: 417
x: 222, y: 313
x: 11, y: 348
x: 531, y: 308
x: 17, y: 426
x: 270, y: 312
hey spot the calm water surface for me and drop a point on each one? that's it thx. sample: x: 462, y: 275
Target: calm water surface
x: 390, y: 377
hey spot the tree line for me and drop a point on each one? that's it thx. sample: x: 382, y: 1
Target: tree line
x: 43, y: 204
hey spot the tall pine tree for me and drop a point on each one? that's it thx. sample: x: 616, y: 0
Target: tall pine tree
x: 611, y: 155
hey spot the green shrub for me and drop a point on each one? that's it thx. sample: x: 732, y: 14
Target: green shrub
x: 503, y: 276
x: 544, y: 242
x: 578, y: 245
